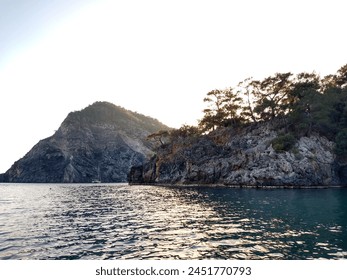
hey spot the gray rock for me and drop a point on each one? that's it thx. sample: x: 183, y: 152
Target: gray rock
x: 98, y: 143
x: 243, y: 157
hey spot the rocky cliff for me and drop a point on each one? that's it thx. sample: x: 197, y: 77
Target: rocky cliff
x: 98, y: 143
x: 241, y: 157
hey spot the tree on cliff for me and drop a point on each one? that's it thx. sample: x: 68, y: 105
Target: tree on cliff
x: 223, y: 109
x: 252, y: 101
x: 302, y: 97
x: 214, y: 113
x: 306, y: 103
x: 249, y: 89
x: 272, y: 98
x: 341, y: 77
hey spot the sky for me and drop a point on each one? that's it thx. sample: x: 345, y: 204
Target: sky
x: 155, y: 57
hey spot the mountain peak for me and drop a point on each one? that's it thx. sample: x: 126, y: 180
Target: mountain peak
x: 98, y: 143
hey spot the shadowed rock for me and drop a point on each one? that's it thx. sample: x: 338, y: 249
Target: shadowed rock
x: 242, y: 157
x: 98, y: 143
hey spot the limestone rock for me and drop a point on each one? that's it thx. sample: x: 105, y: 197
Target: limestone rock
x: 244, y: 157
x: 98, y: 143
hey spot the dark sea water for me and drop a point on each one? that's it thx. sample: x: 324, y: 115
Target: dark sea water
x: 42, y: 221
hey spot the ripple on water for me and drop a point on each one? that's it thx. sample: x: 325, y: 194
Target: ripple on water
x: 147, y: 222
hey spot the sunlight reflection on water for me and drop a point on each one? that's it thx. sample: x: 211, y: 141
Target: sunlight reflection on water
x: 118, y: 221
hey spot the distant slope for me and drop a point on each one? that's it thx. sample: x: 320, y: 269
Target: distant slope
x: 98, y: 143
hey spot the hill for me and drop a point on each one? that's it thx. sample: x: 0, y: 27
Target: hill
x: 98, y: 143
x: 284, y: 130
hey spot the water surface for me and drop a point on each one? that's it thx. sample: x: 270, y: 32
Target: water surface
x: 117, y: 221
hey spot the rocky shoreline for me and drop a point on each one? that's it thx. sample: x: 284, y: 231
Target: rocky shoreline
x: 242, y: 158
x: 238, y: 186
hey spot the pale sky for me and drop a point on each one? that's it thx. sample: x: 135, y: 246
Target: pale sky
x: 156, y: 57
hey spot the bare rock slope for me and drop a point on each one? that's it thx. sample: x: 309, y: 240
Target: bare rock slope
x: 98, y: 143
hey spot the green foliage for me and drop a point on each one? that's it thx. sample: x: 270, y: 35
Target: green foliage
x: 305, y: 103
x: 328, y: 113
x: 272, y: 99
x: 305, y: 99
x: 223, y: 109
x: 341, y: 77
x: 165, y: 137
x: 248, y: 88
x: 185, y: 131
x: 341, y: 143
x: 283, y: 143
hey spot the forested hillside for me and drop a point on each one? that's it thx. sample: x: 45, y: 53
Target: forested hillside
x: 279, y: 130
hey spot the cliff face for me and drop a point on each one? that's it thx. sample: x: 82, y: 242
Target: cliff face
x: 99, y: 143
x: 244, y: 157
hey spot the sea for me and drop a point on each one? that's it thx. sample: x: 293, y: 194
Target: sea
x: 119, y: 221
